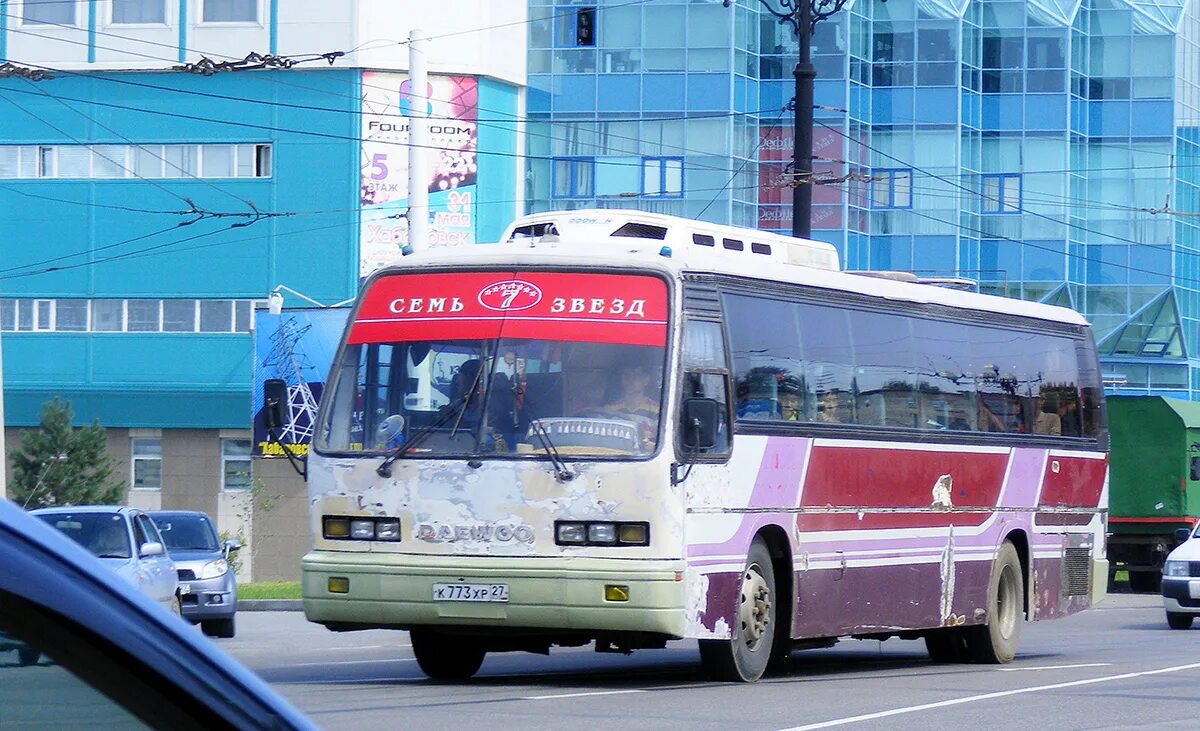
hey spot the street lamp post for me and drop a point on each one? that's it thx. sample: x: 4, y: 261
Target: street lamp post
x: 802, y: 16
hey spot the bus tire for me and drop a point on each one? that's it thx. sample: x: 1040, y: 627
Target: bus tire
x: 996, y: 641
x: 1179, y: 620
x: 744, y: 657
x: 446, y: 657
x: 947, y: 645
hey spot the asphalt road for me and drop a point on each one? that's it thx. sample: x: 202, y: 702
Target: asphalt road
x: 1116, y: 666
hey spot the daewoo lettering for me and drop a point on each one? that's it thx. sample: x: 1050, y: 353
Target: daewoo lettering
x: 478, y: 532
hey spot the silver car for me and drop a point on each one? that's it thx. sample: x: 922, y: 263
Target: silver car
x: 207, y: 586
x: 125, y: 540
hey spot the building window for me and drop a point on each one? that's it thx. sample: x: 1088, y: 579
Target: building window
x: 230, y: 11
x: 146, y: 458
x: 235, y: 464
x: 138, y: 12
x: 179, y: 316
x: 891, y: 188
x: 135, y: 161
x: 48, y: 12
x: 1001, y: 193
x: 143, y: 315
x: 575, y: 29
x: 115, y: 315
x: 108, y: 316
x: 574, y: 177
x: 662, y: 176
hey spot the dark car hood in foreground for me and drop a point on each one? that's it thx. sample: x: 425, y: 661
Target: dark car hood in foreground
x: 45, y: 567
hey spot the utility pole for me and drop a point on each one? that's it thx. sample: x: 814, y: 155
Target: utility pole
x: 802, y: 16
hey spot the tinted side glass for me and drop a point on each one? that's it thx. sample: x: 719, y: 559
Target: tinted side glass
x: 828, y: 370
x: 768, y: 368
x: 945, y: 376
x: 884, y: 372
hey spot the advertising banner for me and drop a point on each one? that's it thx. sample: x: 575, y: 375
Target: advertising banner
x: 298, y: 347
x: 774, y: 189
x: 453, y: 112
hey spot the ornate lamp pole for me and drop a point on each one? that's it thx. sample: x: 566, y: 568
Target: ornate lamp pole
x: 802, y: 16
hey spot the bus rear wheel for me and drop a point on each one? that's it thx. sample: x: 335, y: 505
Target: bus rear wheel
x: 744, y: 657
x: 446, y: 657
x: 996, y: 641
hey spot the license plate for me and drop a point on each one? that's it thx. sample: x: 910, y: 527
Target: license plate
x: 470, y: 592
x: 1194, y: 589
x: 185, y: 588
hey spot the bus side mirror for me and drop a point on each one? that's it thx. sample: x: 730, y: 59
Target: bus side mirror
x: 1194, y: 468
x: 1182, y: 534
x: 274, y: 401
x: 701, y: 419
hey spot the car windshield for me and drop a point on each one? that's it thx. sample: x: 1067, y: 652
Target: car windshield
x: 497, y: 397
x: 503, y: 364
x: 187, y: 532
x: 104, y: 534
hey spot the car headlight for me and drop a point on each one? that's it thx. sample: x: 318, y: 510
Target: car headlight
x: 213, y: 569
x: 1175, y: 568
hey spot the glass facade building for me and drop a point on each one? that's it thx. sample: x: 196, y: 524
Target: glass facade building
x: 1048, y: 149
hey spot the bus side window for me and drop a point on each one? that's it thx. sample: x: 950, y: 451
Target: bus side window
x: 706, y: 373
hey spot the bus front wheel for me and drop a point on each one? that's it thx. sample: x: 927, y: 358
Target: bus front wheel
x: 996, y: 641
x: 744, y: 657
x: 446, y: 657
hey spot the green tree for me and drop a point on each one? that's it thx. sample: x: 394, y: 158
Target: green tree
x: 59, y: 465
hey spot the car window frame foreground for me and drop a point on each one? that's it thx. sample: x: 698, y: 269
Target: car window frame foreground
x: 59, y: 599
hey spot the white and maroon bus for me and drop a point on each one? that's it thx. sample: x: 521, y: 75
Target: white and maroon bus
x: 627, y: 429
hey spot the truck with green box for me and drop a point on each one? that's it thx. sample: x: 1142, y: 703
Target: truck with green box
x: 1154, y: 482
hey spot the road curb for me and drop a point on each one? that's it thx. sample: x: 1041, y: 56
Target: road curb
x: 270, y: 605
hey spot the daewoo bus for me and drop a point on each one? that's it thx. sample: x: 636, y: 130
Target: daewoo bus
x: 628, y: 429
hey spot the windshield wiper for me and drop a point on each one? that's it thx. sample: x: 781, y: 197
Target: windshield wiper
x: 385, y: 468
x: 562, y: 472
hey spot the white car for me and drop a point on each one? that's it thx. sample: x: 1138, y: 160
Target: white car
x: 1181, y: 580
x: 124, y: 539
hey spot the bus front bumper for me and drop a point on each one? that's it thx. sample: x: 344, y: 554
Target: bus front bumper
x: 396, y: 590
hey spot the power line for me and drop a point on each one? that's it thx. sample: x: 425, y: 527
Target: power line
x: 496, y: 123
x: 130, y: 170
x: 997, y: 199
x: 324, y: 135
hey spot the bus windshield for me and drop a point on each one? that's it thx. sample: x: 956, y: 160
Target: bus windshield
x: 513, y: 375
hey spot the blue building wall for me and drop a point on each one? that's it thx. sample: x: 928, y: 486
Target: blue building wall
x: 172, y: 379
x: 498, y: 186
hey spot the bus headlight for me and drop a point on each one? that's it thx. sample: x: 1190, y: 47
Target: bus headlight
x: 387, y: 529
x: 337, y: 527
x: 601, y: 533
x: 570, y: 533
x: 1175, y: 568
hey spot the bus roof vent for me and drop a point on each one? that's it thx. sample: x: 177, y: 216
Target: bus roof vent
x: 641, y: 231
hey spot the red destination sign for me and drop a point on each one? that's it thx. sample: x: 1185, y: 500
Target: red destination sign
x: 600, y: 308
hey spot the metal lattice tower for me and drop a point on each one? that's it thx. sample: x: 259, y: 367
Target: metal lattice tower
x: 288, y: 360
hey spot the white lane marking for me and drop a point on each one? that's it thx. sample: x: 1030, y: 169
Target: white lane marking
x: 1058, y: 667
x: 989, y: 696
x: 577, y: 695
x: 348, y: 662
x: 353, y: 681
